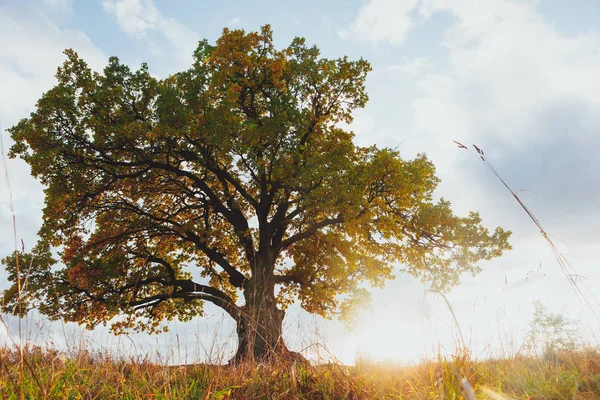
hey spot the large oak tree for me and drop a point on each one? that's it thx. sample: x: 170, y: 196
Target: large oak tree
x: 232, y: 182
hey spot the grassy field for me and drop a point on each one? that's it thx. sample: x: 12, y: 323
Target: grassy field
x: 47, y: 373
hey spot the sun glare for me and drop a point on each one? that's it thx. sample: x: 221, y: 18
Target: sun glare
x: 384, y: 338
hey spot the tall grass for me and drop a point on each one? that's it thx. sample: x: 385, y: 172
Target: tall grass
x: 99, y: 375
x: 21, y: 363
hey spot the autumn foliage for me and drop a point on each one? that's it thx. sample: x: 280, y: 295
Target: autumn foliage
x: 231, y: 182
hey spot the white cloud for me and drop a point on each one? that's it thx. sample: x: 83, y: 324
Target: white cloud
x: 31, y: 48
x: 234, y: 22
x: 506, y: 65
x: 135, y: 17
x: 412, y: 66
x: 58, y: 8
x: 382, y: 20
x: 140, y: 19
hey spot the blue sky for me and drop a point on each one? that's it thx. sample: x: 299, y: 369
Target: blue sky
x: 518, y: 78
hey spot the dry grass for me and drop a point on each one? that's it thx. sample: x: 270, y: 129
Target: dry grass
x: 569, y: 375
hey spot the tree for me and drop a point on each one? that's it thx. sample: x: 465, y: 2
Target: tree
x: 232, y: 183
x: 549, y: 333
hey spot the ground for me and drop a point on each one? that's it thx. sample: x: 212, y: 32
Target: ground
x: 47, y: 373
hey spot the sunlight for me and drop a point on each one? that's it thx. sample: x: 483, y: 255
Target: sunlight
x: 381, y: 337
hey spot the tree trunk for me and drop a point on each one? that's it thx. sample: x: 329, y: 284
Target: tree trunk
x: 259, y: 326
x: 259, y: 334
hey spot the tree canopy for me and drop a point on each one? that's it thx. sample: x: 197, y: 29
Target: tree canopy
x: 232, y: 182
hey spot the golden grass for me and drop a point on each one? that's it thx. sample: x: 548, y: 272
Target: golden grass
x: 52, y: 375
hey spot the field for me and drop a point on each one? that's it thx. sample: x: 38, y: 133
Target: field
x: 48, y: 374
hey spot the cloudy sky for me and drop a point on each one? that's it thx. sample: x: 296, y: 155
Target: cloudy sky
x: 520, y: 79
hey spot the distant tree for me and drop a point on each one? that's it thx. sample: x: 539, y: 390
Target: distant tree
x: 232, y: 183
x: 549, y: 332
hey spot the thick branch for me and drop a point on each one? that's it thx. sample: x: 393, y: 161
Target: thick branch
x: 236, y: 278
x: 277, y: 225
x: 288, y: 279
x: 224, y: 302
x: 311, y: 230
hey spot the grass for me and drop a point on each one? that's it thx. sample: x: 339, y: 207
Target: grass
x: 54, y: 375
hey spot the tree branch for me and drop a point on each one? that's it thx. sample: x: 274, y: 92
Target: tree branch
x: 236, y: 278
x: 311, y: 230
x: 288, y: 279
x: 191, y: 291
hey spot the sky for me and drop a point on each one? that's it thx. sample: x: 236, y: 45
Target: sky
x: 517, y: 78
